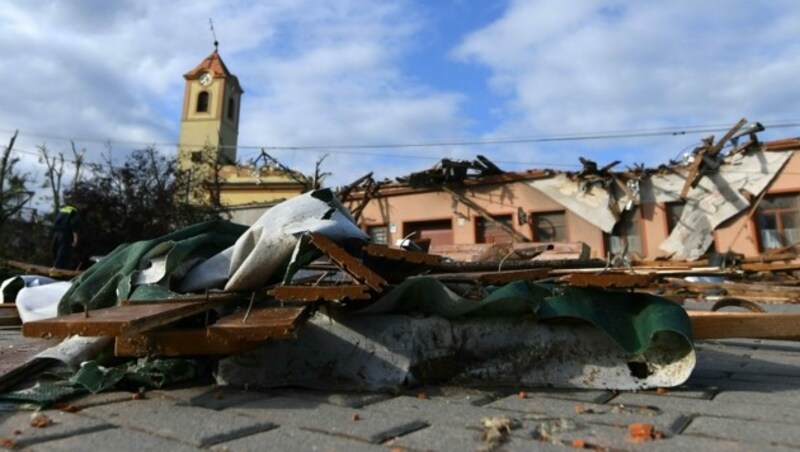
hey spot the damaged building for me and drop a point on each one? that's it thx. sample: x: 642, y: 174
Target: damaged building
x: 745, y: 200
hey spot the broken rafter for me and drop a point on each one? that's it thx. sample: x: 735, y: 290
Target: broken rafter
x: 348, y: 263
x: 401, y: 255
x: 485, y: 214
x: 707, y: 155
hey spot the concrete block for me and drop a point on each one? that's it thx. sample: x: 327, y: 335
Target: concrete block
x: 292, y: 438
x: 192, y: 425
x: 747, y: 432
x: 17, y: 427
x: 359, y: 424
x: 116, y: 439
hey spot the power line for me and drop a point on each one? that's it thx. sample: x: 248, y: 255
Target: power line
x: 572, y: 136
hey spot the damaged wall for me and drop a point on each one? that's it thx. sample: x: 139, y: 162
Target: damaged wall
x: 716, y: 198
x: 498, y: 199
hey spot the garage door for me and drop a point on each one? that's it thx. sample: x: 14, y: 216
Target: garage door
x: 439, y: 231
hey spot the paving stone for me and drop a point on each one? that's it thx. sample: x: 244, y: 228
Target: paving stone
x: 211, y: 396
x: 770, y: 379
x: 117, y: 439
x: 735, y: 410
x: 17, y: 426
x: 443, y: 437
x: 691, y: 443
x: 292, y: 438
x: 457, y: 394
x: 759, y: 393
x: 547, y: 409
x: 761, y: 367
x: 103, y: 398
x: 577, y: 395
x: 749, y: 432
x: 338, y: 398
x: 706, y: 373
x: 563, y: 431
x: 373, y: 427
x: 193, y: 425
x: 693, y: 391
x: 437, y: 411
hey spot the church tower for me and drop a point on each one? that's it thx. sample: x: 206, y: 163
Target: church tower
x: 210, y: 119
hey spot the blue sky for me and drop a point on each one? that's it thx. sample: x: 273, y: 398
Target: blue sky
x: 348, y: 73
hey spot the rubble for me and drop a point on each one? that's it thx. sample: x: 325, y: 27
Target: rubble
x: 303, y: 297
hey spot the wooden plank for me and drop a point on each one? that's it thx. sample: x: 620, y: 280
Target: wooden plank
x: 503, y: 277
x: 723, y: 325
x: 9, y: 315
x: 611, y: 280
x: 43, y: 270
x: 118, y: 320
x: 232, y: 334
x: 194, y: 342
x: 260, y: 324
x: 321, y: 293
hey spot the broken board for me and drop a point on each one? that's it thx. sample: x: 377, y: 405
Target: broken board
x: 119, y: 320
x: 232, y: 334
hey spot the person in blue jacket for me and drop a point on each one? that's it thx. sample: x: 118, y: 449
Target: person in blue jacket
x: 65, y: 235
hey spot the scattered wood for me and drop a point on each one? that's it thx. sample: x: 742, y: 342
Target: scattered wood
x: 118, y: 320
x: 610, y: 280
x: 58, y: 273
x: 725, y: 325
x: 9, y: 315
x: 236, y: 333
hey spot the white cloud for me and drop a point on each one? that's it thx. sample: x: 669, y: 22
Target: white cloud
x: 313, y: 72
x: 341, y: 72
x: 598, y: 66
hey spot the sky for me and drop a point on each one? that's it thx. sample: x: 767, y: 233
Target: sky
x: 394, y: 86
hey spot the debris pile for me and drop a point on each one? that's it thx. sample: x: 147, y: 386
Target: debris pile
x: 304, y: 297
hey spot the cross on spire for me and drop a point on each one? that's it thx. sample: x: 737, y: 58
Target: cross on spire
x: 213, y: 33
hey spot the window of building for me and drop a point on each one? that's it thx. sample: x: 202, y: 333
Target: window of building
x: 197, y: 157
x: 202, y: 102
x: 549, y: 226
x: 231, y: 108
x: 379, y: 234
x: 626, y: 231
x: 674, y: 213
x: 489, y: 232
x: 778, y: 220
x: 440, y: 232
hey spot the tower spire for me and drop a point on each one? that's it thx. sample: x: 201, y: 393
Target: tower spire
x: 213, y: 33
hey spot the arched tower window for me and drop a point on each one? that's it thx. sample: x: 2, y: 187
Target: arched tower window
x: 231, y: 108
x: 202, y: 102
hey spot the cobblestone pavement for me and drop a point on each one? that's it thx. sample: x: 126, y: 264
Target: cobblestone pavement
x: 743, y: 395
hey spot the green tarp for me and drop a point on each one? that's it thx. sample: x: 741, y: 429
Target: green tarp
x: 108, y: 282
x: 632, y: 320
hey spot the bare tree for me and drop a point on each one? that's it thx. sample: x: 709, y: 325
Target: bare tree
x: 55, y: 171
x: 13, y: 194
